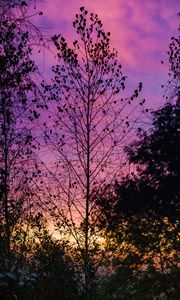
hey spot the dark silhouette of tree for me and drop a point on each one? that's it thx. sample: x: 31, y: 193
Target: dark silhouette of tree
x: 87, y: 127
x: 19, y: 102
x: 22, y: 13
x: 157, y: 154
x: 47, y: 272
x: 52, y: 262
x: 142, y: 210
x: 172, y: 89
x: 155, y: 189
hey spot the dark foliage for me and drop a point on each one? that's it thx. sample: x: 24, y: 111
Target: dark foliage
x: 154, y: 189
x: 56, y: 275
x: 142, y: 210
x: 19, y: 100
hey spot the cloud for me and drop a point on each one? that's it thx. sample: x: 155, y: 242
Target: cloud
x: 140, y: 30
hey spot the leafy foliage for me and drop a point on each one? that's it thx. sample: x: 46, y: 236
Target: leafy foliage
x: 142, y: 210
x: 12, y: 287
x: 155, y: 189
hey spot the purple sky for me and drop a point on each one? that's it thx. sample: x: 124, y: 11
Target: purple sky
x: 140, y: 31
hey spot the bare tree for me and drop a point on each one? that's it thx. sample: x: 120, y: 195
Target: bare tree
x: 87, y: 126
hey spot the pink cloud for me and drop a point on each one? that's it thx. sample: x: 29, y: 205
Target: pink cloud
x: 140, y: 31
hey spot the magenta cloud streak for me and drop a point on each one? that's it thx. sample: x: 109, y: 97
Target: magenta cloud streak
x: 140, y: 31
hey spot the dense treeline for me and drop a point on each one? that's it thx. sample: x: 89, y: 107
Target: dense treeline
x: 115, y: 232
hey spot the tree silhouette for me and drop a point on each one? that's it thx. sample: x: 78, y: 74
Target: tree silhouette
x: 143, y: 208
x: 172, y: 88
x: 87, y: 127
x: 57, y: 277
x: 21, y: 13
x: 157, y: 152
x: 19, y: 100
x: 155, y: 188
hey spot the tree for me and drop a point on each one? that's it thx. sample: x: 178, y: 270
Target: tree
x: 157, y: 152
x: 53, y: 264
x: 21, y: 13
x: 142, y: 209
x: 87, y: 127
x: 152, y: 194
x: 172, y: 88
x: 19, y: 100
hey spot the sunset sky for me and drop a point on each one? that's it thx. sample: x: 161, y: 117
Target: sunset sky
x: 140, y: 31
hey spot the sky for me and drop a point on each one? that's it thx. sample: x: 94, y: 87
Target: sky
x: 140, y: 30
